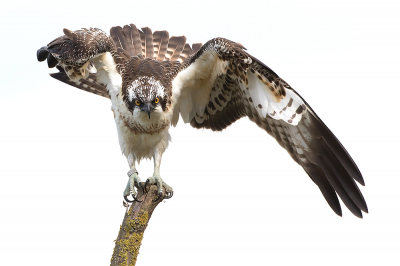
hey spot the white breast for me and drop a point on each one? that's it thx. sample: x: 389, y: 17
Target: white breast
x: 139, y: 135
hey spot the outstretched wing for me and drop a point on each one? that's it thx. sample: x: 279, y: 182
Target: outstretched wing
x: 222, y: 83
x: 81, y: 56
x: 87, y: 59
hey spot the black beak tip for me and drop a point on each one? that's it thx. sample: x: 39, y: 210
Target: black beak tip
x: 147, y: 108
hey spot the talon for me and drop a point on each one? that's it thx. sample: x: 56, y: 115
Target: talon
x: 163, y: 190
x: 134, y: 199
x: 169, y: 195
x: 128, y: 200
x: 134, y: 181
x: 141, y: 186
x: 145, y: 185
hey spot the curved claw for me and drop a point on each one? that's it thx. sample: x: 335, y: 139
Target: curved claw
x: 128, y: 200
x: 141, y: 186
x: 134, y: 199
x: 169, y: 195
x: 145, y: 185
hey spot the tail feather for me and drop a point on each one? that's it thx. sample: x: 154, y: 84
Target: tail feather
x: 130, y: 48
x: 143, y: 40
x: 123, y: 53
x: 137, y: 43
x: 160, y: 40
x: 118, y: 36
x: 185, y: 53
x: 175, y: 47
x: 196, y: 47
x: 127, y: 38
x: 157, y: 46
x: 148, y: 40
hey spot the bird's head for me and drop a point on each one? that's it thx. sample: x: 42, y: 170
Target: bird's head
x: 145, y: 96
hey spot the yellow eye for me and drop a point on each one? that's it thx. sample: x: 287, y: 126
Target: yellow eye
x: 137, y: 102
x: 156, y: 100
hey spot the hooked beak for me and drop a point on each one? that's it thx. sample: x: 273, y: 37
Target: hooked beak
x: 147, y: 108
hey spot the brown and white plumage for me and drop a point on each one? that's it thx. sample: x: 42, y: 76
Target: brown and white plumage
x: 210, y: 86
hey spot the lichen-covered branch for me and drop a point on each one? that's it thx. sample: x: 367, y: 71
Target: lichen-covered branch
x: 132, y: 229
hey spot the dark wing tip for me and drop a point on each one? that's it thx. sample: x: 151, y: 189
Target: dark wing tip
x: 42, y: 54
x: 337, y: 147
x: 366, y: 208
x: 89, y: 85
x: 60, y: 69
x: 51, y: 61
x: 324, y: 159
x: 338, y: 211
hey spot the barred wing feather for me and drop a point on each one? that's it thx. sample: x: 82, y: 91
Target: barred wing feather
x: 89, y: 84
x: 222, y: 83
x: 213, y: 85
x: 75, y: 54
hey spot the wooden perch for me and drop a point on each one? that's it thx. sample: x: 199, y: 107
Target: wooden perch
x: 132, y: 229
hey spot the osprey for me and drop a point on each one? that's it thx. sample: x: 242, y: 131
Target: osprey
x: 152, y: 78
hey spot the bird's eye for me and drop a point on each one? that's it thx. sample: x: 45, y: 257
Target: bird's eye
x: 156, y: 100
x: 137, y: 102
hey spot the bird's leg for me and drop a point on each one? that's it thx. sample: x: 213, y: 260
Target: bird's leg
x: 156, y: 178
x: 134, y: 179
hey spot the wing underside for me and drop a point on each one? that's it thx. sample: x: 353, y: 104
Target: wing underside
x: 312, y: 145
x: 247, y: 87
x: 89, y: 84
x: 129, y: 41
x: 227, y: 83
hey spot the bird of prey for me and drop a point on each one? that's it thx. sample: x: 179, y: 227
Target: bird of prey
x: 152, y: 79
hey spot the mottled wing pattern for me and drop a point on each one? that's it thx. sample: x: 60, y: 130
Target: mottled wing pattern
x: 236, y: 84
x: 312, y: 145
x: 88, y: 84
x: 224, y: 66
x: 76, y: 56
x: 224, y: 107
x: 75, y: 50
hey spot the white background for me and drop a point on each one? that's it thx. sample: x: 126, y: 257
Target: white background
x: 239, y: 198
